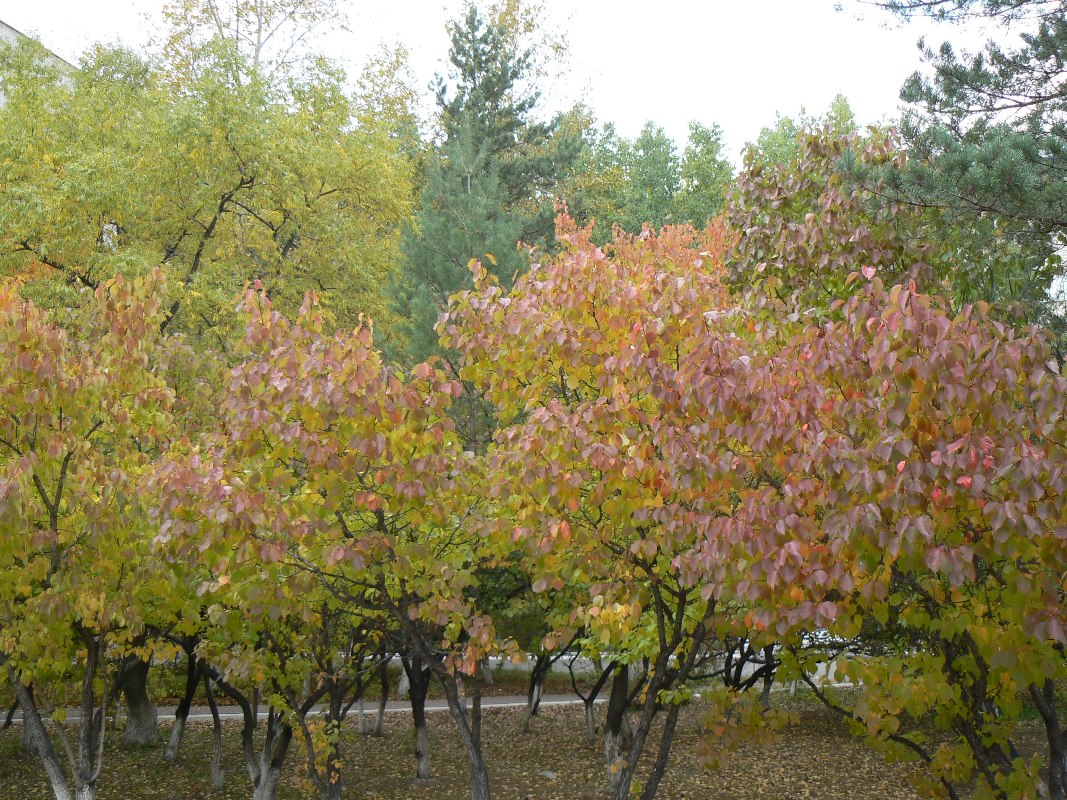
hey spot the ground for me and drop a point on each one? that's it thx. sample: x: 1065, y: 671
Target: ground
x: 814, y: 758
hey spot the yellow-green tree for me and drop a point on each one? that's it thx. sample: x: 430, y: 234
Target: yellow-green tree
x: 81, y: 410
x: 209, y: 165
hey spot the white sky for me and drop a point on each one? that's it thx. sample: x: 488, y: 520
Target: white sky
x: 731, y: 62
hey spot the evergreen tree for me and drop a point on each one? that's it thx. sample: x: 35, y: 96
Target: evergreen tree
x: 489, y: 184
x: 987, y: 140
x: 464, y: 215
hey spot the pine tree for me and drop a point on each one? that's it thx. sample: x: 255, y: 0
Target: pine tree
x: 987, y: 141
x: 489, y: 185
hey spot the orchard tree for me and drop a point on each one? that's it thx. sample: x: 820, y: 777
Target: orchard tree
x: 912, y: 465
x: 81, y: 411
x: 903, y: 460
x: 581, y: 360
x: 335, y: 478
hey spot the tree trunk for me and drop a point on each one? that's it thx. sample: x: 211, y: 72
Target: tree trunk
x: 87, y: 792
x: 614, y: 725
x: 28, y: 743
x: 142, y: 721
x: 383, y: 675
x: 39, y: 740
x: 418, y: 680
x: 218, y: 774
x: 479, y: 774
x: 590, y: 720
x: 637, y: 745
x: 181, y: 713
x: 535, y: 688
x: 476, y: 709
x: 768, y: 676
x: 271, y: 757
x: 665, y: 742
x: 1045, y: 700
x: 267, y: 785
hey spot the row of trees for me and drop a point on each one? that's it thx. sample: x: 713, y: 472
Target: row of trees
x: 795, y: 436
x: 863, y: 478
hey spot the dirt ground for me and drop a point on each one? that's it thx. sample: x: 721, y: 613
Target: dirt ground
x: 814, y: 758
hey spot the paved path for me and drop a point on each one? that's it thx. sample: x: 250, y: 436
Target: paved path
x: 203, y: 713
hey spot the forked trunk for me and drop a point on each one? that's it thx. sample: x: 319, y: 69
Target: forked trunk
x: 535, y: 688
x: 624, y: 779
x: 479, y: 774
x: 267, y: 785
x: 181, y: 713
x: 665, y: 742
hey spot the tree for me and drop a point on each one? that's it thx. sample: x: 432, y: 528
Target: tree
x: 264, y: 38
x: 490, y: 183
x: 334, y: 478
x: 779, y: 144
x: 805, y: 229
x: 631, y: 183
x: 705, y: 176
x: 912, y: 465
x: 464, y: 207
x: 580, y: 359
x: 126, y: 166
x: 986, y: 141
x: 890, y: 438
x: 81, y: 411
x: 652, y: 167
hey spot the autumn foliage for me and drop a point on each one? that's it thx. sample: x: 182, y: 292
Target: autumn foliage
x: 777, y: 431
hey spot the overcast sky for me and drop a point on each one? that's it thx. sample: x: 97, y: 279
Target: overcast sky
x: 731, y: 62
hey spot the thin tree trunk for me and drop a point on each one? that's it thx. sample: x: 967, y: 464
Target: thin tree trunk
x: 614, y: 745
x: 535, y: 688
x: 479, y: 774
x: 476, y: 709
x: 181, y: 713
x: 588, y: 700
x: 383, y: 675
x: 1045, y: 700
x: 40, y: 741
x: 142, y: 721
x: 218, y: 774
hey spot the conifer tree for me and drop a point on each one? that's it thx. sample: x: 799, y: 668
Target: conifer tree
x: 987, y: 140
x: 489, y: 184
